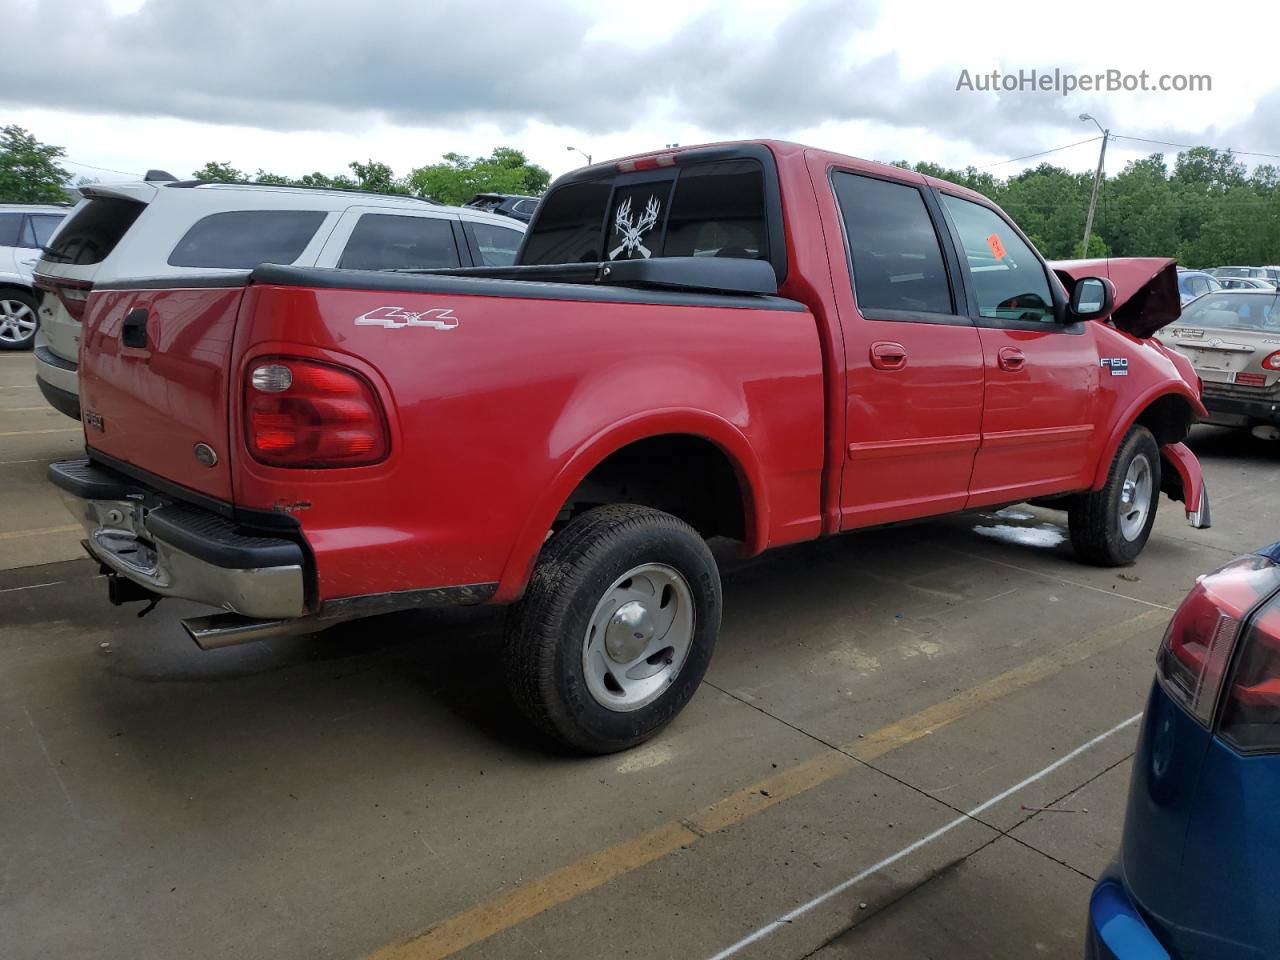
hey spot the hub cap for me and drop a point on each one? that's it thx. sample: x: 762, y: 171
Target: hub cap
x: 638, y: 637
x: 1135, y: 498
x: 17, y: 321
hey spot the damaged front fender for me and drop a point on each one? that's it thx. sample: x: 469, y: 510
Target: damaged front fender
x: 1183, y: 480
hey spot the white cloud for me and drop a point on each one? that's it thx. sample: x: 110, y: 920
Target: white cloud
x: 132, y: 84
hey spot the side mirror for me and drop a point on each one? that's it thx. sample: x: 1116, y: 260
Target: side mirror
x: 1091, y: 298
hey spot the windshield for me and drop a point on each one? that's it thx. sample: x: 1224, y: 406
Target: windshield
x: 1237, y: 311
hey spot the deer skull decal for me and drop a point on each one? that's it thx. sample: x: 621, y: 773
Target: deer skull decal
x: 631, y: 233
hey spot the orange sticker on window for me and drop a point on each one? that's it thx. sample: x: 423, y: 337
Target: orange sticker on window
x: 997, y: 248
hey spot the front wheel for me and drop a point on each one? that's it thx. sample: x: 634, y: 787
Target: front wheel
x: 1109, y: 527
x: 616, y: 629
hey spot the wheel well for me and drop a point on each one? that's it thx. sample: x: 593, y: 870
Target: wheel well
x: 1168, y: 418
x: 687, y: 476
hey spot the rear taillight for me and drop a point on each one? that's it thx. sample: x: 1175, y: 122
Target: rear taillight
x: 303, y: 413
x: 1272, y: 362
x: 1201, y: 638
x: 72, y: 294
x: 1251, y: 379
x: 1251, y: 712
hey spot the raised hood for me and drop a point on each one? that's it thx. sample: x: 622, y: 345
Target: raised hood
x: 1146, y: 289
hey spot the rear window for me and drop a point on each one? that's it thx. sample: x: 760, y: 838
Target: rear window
x: 1239, y: 311
x: 94, y: 230
x: 570, y: 226
x: 242, y: 239
x: 384, y: 241
x: 705, y: 210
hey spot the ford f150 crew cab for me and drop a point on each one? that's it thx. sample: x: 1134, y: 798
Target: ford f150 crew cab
x: 759, y: 341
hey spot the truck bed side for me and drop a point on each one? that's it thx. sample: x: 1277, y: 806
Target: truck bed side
x: 498, y: 412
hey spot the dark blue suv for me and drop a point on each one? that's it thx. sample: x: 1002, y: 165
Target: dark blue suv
x: 1198, y: 874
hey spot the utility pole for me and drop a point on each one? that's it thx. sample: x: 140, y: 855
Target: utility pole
x: 1097, y: 180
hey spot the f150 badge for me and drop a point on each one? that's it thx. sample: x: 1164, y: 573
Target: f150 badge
x: 1119, y: 366
x: 437, y: 318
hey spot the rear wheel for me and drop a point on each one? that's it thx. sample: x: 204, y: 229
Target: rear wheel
x: 18, y: 319
x: 1109, y: 527
x: 616, y: 629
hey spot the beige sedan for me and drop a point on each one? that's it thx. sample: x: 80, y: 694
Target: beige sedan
x: 1232, y: 337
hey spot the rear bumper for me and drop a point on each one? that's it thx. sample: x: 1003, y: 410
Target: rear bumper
x: 1236, y: 411
x: 64, y: 401
x: 1116, y: 928
x: 177, y: 550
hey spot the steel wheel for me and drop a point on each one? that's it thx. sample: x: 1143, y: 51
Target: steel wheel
x: 638, y: 637
x: 1135, y: 498
x: 17, y: 322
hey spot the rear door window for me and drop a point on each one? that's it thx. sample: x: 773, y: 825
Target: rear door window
x: 43, y: 225
x: 10, y: 227
x: 1009, y: 280
x: 94, y: 230
x: 242, y: 239
x: 382, y: 241
x: 895, y: 252
x: 494, y: 246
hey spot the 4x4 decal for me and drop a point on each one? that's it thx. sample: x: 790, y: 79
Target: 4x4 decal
x: 437, y: 318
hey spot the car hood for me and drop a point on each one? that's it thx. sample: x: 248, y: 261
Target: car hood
x: 1146, y: 289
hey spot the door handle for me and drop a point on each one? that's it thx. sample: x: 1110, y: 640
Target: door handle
x: 1011, y: 358
x: 886, y: 355
x: 133, y: 333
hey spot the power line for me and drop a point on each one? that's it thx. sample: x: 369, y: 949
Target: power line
x: 127, y: 173
x: 1043, y: 153
x: 1193, y: 146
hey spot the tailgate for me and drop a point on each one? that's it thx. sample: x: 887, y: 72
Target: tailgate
x: 154, y: 380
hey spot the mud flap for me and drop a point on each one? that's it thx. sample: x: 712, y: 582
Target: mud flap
x: 1183, y: 480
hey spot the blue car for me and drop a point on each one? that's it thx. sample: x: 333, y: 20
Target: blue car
x: 1198, y: 874
x: 1195, y: 283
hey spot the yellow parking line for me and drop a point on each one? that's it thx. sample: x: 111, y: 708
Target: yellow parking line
x: 32, y: 433
x: 528, y: 899
x: 41, y: 532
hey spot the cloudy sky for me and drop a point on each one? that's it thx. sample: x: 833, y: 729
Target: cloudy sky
x: 311, y: 84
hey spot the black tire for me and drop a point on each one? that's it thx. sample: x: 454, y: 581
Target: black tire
x: 10, y: 295
x: 547, y: 628
x: 1094, y: 519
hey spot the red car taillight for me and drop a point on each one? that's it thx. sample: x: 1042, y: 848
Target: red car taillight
x: 1202, y: 637
x: 1272, y: 362
x: 303, y: 413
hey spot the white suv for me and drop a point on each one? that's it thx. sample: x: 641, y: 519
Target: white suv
x: 162, y: 230
x: 24, y: 229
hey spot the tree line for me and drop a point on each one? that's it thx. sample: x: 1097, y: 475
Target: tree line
x: 1209, y: 209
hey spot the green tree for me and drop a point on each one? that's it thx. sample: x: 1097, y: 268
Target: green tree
x: 376, y: 177
x: 458, y: 178
x: 216, y: 171
x: 29, y: 170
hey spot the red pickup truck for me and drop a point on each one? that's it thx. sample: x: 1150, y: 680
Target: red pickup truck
x: 758, y: 340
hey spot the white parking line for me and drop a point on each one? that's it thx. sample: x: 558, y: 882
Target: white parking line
x: 822, y: 898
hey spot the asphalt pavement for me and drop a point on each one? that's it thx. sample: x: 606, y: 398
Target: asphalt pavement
x: 913, y: 742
